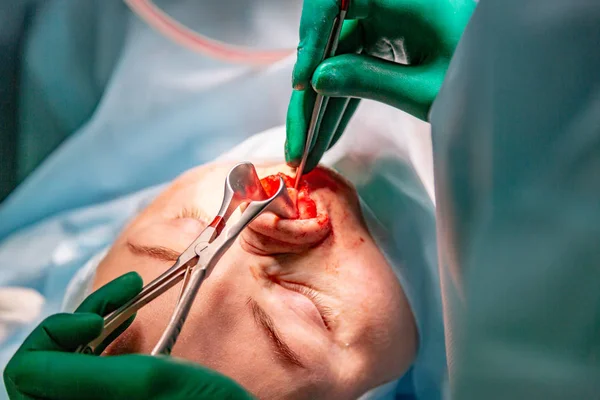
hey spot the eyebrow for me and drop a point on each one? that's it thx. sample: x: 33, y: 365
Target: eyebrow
x: 265, y: 322
x: 156, y: 252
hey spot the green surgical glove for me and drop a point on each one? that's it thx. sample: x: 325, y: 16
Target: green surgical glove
x: 45, y: 366
x: 375, y: 37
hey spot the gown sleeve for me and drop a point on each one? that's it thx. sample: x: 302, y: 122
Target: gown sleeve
x: 516, y: 137
x: 13, y: 17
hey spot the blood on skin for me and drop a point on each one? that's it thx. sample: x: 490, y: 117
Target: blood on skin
x: 307, y: 208
x: 271, y: 183
x: 270, y: 235
x: 320, y: 178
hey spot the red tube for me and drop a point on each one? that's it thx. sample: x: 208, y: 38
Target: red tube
x: 186, y: 37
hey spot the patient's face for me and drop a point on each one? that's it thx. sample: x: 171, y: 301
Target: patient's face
x: 304, y: 308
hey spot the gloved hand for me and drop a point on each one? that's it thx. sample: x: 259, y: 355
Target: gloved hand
x: 44, y: 367
x: 377, y: 35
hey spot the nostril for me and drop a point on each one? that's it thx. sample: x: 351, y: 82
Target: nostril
x: 271, y: 183
x: 270, y: 235
x: 307, y: 208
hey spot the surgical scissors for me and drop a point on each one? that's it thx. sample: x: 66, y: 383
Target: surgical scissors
x: 242, y: 185
x: 320, y: 100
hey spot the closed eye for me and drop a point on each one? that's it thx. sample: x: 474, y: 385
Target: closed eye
x: 314, y: 296
x: 195, y: 213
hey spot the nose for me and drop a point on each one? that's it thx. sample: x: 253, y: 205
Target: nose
x: 271, y: 235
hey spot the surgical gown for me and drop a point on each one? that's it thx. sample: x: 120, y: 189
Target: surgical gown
x: 516, y: 137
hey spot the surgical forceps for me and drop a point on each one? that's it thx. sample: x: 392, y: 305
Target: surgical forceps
x: 198, y: 260
x: 320, y: 101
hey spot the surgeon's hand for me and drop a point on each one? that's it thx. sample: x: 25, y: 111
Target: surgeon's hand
x: 45, y: 366
x: 377, y: 36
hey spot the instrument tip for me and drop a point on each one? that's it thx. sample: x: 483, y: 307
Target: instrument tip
x: 298, y: 177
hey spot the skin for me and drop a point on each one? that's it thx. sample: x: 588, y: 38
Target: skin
x: 354, y: 331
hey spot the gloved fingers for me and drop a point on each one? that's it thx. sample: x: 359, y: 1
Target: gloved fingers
x: 334, y: 110
x: 348, y: 113
x: 13, y: 392
x: 316, y: 23
x: 298, y: 123
x: 63, y: 332
x: 302, y: 101
x: 409, y: 88
x: 115, y: 334
x: 52, y: 376
x: 112, y: 295
x: 76, y: 376
x: 212, y: 385
x: 60, y: 332
x: 298, y: 120
x: 336, y: 113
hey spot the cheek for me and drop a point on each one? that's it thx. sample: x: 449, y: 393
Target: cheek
x: 364, y: 268
x: 212, y: 331
x: 371, y: 291
x: 212, y: 324
x: 351, y: 270
x: 348, y: 232
x: 217, y: 322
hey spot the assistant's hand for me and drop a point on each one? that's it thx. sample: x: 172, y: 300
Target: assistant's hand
x: 45, y: 366
x: 377, y: 36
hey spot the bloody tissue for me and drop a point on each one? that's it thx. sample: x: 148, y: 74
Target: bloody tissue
x: 306, y: 206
